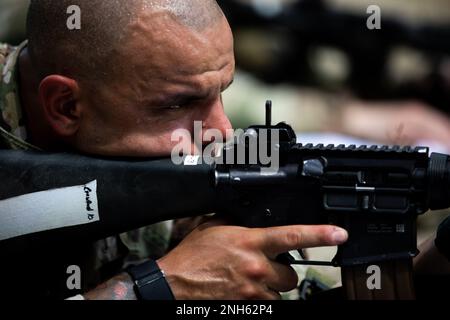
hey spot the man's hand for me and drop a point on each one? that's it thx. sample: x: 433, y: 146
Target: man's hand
x: 217, y: 261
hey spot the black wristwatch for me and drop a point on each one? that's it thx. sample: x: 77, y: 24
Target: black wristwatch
x: 150, y: 282
x: 442, y: 241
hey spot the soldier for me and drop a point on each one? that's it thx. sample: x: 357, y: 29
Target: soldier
x: 118, y: 86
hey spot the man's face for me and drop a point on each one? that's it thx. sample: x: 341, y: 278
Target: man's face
x: 170, y: 76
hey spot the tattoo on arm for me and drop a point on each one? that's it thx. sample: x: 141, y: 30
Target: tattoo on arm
x: 120, y: 287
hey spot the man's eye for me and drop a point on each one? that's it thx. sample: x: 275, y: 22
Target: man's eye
x: 172, y: 108
x: 185, y: 104
x: 181, y: 106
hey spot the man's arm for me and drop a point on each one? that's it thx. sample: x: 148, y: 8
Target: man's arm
x: 118, y: 288
x: 216, y: 261
x: 401, y: 123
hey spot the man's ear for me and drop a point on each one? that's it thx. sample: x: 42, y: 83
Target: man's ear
x: 59, y: 97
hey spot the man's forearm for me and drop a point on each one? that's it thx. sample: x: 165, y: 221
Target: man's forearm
x: 118, y: 288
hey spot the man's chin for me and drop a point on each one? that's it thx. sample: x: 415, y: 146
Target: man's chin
x: 127, y: 153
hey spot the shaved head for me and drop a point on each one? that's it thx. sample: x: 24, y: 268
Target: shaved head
x: 89, y: 53
x: 197, y: 14
x: 133, y: 73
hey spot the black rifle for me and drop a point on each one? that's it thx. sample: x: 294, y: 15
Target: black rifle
x: 376, y: 193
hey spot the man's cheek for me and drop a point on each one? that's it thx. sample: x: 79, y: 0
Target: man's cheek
x: 182, y: 142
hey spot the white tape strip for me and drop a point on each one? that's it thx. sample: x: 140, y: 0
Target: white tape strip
x: 48, y: 210
x: 191, y: 160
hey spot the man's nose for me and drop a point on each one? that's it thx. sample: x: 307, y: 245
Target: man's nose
x: 216, y: 118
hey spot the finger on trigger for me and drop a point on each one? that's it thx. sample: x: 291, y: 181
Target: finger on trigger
x: 279, y: 240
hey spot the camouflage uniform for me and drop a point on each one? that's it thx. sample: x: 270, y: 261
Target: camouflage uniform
x: 131, y: 247
x: 12, y: 129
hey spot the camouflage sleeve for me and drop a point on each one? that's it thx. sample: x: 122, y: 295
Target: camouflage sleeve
x: 148, y: 242
x: 12, y: 124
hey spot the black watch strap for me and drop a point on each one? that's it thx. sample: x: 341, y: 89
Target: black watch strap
x: 150, y: 282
